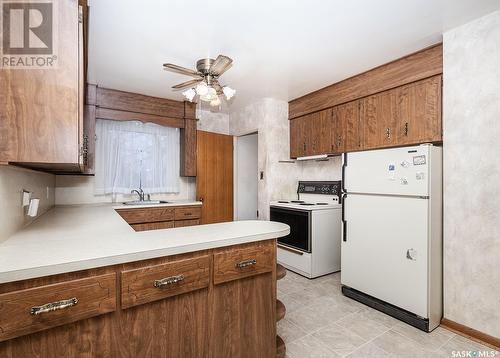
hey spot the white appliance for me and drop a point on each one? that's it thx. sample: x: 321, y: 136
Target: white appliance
x: 312, y: 248
x: 392, y: 232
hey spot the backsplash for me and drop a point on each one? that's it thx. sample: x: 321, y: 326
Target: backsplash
x: 12, y: 181
x: 74, y: 189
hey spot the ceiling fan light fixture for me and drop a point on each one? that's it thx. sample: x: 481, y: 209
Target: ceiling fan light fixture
x: 202, y: 89
x: 189, y: 94
x: 228, y: 92
x: 215, y: 102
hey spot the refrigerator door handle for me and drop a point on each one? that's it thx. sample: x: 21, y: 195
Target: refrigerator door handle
x: 344, y: 222
x: 344, y: 165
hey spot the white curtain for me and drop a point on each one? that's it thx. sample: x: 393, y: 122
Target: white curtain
x: 130, y: 154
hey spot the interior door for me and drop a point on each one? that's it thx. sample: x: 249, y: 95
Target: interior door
x: 214, y: 181
x: 384, y: 250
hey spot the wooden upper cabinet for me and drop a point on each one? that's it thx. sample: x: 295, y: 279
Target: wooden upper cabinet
x: 297, y: 137
x: 41, y: 110
x: 378, y: 120
x: 311, y: 134
x: 419, y: 112
x: 345, y: 134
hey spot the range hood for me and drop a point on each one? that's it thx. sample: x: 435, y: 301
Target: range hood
x: 314, y: 157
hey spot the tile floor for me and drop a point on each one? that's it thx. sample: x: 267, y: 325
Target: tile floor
x: 321, y: 322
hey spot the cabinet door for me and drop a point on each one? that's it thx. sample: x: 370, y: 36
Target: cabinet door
x: 40, y: 109
x: 419, y: 112
x: 346, y: 135
x: 378, y: 120
x: 297, y: 138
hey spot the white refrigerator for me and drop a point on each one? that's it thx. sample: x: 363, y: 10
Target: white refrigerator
x: 391, y: 252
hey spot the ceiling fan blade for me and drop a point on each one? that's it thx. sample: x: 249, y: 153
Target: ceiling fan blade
x: 220, y: 65
x: 189, y: 83
x: 181, y: 70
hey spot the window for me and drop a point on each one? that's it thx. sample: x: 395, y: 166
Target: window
x: 130, y: 154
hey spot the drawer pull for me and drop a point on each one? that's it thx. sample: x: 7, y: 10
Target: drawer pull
x: 53, y: 306
x: 246, y: 263
x: 168, y: 281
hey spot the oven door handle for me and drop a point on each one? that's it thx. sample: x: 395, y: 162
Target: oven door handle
x: 295, y: 251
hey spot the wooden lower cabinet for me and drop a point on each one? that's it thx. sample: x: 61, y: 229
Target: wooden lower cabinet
x: 156, y: 218
x: 191, y: 317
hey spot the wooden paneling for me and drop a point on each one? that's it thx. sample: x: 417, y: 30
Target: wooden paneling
x: 89, y: 139
x: 187, y: 212
x: 188, y: 149
x: 146, y: 215
x: 214, y: 182
x: 419, y: 112
x: 184, y: 223
x: 153, y: 226
x: 227, y: 261
x: 414, y: 67
x: 189, y: 110
x: 95, y: 296
x: 40, y: 109
x: 138, y: 286
x: 133, y: 102
x: 117, y: 115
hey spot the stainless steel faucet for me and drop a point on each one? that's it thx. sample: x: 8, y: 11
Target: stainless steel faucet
x: 139, y: 192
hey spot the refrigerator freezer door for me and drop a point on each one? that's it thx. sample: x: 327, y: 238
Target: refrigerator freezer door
x: 397, y: 171
x: 385, y: 252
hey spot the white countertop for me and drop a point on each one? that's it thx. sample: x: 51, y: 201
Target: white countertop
x: 72, y: 238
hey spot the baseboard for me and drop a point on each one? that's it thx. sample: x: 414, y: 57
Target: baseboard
x: 471, y: 333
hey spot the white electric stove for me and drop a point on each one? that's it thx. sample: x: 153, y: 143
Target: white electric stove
x: 312, y: 248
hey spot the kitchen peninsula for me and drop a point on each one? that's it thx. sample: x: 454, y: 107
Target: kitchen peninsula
x: 80, y: 281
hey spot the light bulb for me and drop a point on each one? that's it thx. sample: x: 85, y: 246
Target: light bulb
x: 189, y: 94
x: 228, y: 92
x: 202, y: 89
x: 215, y: 102
x: 210, y: 95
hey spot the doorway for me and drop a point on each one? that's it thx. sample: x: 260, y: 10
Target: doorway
x: 246, y: 177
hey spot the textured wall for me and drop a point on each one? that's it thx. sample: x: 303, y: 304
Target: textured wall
x: 12, y: 181
x: 471, y: 174
x: 269, y: 117
x: 216, y: 122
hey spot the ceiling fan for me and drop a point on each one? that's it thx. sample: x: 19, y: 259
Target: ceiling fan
x: 206, y: 80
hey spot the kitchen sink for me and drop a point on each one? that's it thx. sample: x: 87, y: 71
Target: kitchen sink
x: 145, y: 202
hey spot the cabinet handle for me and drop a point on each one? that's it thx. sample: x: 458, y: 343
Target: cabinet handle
x: 406, y: 129
x: 388, y: 133
x: 339, y: 140
x: 246, y: 263
x: 53, y: 306
x: 168, y: 281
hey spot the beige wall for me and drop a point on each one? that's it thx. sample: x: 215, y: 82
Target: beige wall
x: 215, y: 122
x: 12, y: 181
x: 472, y: 174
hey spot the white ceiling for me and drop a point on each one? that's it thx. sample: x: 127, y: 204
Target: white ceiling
x: 281, y: 49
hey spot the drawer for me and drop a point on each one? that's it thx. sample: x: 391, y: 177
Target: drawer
x: 156, y: 282
x: 182, y: 223
x: 188, y: 212
x: 137, y: 216
x: 153, y: 226
x: 235, y: 263
x: 35, y: 309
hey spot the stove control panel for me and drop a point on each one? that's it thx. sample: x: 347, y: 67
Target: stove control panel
x: 319, y: 187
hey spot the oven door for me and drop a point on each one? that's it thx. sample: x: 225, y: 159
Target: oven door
x: 300, y: 227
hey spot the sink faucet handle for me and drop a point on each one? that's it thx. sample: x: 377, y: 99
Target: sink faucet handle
x: 148, y: 196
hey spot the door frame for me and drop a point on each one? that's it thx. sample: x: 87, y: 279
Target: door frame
x: 235, y: 170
